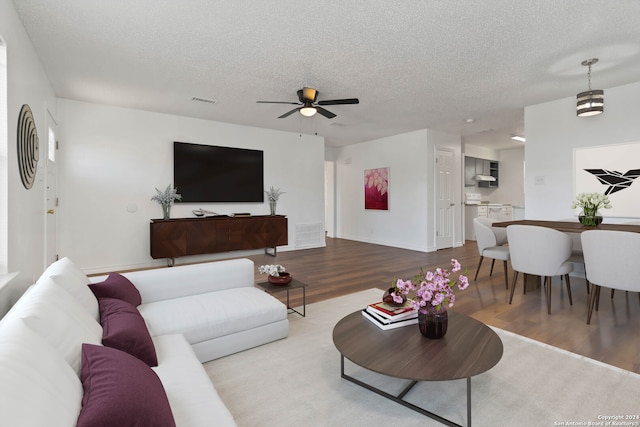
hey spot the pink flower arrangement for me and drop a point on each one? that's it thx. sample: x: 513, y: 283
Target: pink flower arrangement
x: 433, y: 287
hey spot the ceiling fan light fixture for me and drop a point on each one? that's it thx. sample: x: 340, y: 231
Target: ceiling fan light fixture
x: 590, y: 102
x: 308, y: 110
x: 309, y: 94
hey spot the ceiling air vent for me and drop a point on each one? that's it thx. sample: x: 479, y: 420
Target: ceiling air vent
x: 205, y: 100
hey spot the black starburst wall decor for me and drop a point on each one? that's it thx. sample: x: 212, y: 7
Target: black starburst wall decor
x: 615, y: 180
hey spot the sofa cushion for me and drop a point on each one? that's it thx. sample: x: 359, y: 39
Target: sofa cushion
x: 117, y: 286
x: 214, y: 314
x: 123, y: 328
x: 194, y: 400
x: 37, y: 387
x: 59, y: 319
x: 120, y: 390
x: 66, y: 274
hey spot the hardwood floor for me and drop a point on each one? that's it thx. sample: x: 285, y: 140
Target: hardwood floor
x: 345, y: 266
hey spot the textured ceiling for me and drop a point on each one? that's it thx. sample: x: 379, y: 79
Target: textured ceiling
x: 413, y: 64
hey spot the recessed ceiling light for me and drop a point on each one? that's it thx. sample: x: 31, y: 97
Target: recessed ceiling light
x: 518, y: 138
x: 470, y: 120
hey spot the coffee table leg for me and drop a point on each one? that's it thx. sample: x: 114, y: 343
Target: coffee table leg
x: 399, y: 398
x: 469, y: 402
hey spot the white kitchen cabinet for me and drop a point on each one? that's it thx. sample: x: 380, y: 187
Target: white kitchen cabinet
x: 471, y: 212
x: 500, y: 212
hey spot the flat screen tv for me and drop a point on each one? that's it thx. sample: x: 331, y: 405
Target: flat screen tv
x: 207, y: 173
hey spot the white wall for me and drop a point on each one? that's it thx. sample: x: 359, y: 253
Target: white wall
x: 553, y: 130
x: 511, y: 178
x: 409, y: 223
x: 112, y: 159
x: 27, y: 84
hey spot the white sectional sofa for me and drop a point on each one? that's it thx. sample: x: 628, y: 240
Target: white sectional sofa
x: 55, y: 370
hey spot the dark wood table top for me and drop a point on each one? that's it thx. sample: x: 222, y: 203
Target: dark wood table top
x: 569, y: 226
x: 469, y: 348
x: 275, y: 288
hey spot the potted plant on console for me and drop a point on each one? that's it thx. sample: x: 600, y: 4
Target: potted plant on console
x: 273, y: 195
x: 166, y: 199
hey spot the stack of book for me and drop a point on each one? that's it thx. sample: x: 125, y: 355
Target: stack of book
x: 386, y: 316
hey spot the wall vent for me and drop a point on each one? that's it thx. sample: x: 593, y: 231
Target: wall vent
x: 205, y: 100
x: 309, y: 235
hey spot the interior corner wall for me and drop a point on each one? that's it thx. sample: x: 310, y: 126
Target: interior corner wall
x: 404, y: 225
x: 27, y: 83
x: 112, y: 159
x: 553, y: 131
x: 409, y: 223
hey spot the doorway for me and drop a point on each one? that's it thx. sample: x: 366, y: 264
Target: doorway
x: 51, y: 194
x: 444, y: 198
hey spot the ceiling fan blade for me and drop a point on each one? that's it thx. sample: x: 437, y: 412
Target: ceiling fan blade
x: 277, y: 102
x: 328, y: 114
x: 339, y: 101
x: 288, y: 113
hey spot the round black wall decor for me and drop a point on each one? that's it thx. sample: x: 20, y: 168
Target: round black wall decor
x: 28, y: 147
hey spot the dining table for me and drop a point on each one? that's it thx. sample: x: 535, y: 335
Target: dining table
x: 565, y: 227
x: 569, y: 226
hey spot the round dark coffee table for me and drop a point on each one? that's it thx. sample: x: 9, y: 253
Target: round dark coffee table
x: 469, y: 348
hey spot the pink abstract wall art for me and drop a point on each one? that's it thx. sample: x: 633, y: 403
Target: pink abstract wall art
x: 376, y: 189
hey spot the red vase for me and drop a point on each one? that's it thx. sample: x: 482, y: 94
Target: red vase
x: 432, y: 322
x: 283, y: 279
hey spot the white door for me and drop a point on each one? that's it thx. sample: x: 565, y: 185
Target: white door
x: 51, y: 194
x: 444, y: 199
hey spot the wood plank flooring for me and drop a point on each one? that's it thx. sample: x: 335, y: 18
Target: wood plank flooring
x: 346, y: 266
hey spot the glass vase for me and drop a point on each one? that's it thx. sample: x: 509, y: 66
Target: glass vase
x: 166, y: 211
x: 590, y: 217
x: 433, y: 322
x: 272, y: 207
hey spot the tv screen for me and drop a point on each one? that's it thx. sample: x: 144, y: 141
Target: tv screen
x: 207, y: 173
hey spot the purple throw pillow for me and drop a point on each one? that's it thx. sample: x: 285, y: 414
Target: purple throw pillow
x: 123, y: 328
x: 120, y: 390
x: 117, y: 286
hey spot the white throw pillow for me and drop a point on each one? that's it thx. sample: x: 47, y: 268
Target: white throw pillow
x: 37, y: 387
x: 73, y: 280
x: 49, y: 311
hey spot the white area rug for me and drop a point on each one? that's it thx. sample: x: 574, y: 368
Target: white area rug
x: 296, y: 382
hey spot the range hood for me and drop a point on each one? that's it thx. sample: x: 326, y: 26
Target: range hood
x: 484, y: 178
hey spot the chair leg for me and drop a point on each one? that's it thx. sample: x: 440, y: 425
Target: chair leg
x: 547, y: 281
x: 506, y: 279
x: 513, y: 286
x: 595, y: 290
x: 478, y: 269
x: 586, y: 282
x: 568, y: 288
x: 612, y: 291
x: 524, y: 280
x: 493, y: 261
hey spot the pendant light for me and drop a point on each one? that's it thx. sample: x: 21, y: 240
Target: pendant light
x: 591, y: 102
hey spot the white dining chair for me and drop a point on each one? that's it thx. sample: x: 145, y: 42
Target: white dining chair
x: 611, y: 260
x: 540, y: 251
x: 613, y: 290
x: 491, y: 244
